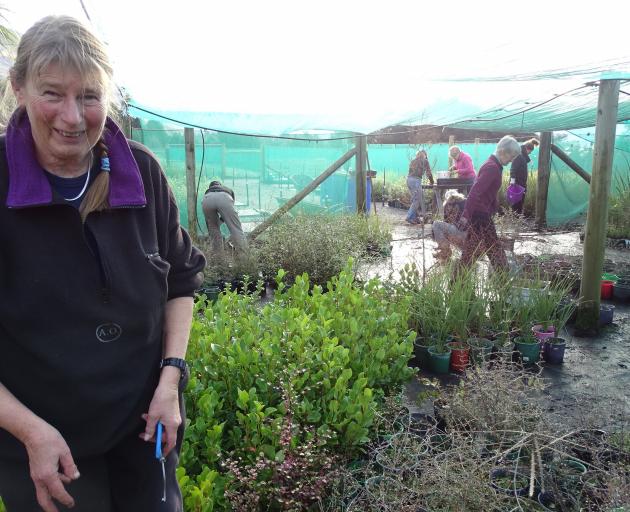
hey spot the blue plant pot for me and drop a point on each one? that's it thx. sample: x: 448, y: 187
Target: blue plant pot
x: 606, y: 312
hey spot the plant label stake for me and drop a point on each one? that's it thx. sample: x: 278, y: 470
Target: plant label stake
x: 160, y: 457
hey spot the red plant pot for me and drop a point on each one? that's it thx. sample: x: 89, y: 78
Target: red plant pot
x: 459, y: 355
x: 607, y: 289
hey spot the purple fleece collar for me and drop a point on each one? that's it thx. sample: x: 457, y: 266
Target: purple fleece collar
x: 28, y: 186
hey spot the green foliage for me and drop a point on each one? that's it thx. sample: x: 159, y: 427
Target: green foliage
x: 2, y: 508
x: 319, y: 244
x: 335, y: 354
x: 619, y: 208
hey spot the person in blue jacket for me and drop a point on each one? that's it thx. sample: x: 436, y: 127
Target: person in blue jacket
x: 96, y: 292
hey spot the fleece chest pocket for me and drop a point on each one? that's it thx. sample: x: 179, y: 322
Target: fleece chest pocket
x: 157, y: 263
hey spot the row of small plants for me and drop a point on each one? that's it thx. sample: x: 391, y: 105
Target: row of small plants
x: 318, y: 244
x: 279, y: 391
x: 487, y: 448
x: 468, y: 317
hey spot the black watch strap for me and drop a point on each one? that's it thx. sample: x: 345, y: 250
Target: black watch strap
x: 177, y: 363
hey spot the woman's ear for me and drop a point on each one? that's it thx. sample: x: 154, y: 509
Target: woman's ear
x: 20, y: 93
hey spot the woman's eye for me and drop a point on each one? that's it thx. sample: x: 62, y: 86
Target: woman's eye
x: 91, y: 99
x: 51, y: 94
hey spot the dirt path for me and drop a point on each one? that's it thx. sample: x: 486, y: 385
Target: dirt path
x: 592, y: 386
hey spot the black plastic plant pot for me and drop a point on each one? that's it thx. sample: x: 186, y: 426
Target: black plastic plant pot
x: 509, y: 481
x: 621, y: 291
x: 554, y: 350
x: 420, y: 423
x: 552, y: 502
x: 606, y: 313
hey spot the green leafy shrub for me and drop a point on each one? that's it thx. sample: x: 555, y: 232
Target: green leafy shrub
x: 336, y: 353
x: 319, y: 244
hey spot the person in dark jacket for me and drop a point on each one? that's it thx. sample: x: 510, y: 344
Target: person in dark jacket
x: 418, y: 167
x: 218, y: 206
x: 96, y: 292
x: 482, y: 204
x: 518, y: 171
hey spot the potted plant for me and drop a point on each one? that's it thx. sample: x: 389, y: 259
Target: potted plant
x: 421, y: 351
x: 439, y: 356
x: 459, y: 355
x: 558, y: 501
x: 480, y: 350
x: 554, y: 350
x: 509, y: 481
x: 403, y: 453
x: 529, y: 349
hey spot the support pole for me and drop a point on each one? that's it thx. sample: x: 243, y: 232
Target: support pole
x: 191, y: 191
x: 451, y: 142
x: 477, y: 141
x: 544, y: 170
x: 301, y: 194
x: 571, y: 163
x: 361, y: 158
x: 596, y: 219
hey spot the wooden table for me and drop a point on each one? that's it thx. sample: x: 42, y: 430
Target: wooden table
x: 447, y: 184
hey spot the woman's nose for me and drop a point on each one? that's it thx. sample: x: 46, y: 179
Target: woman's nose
x: 72, y: 111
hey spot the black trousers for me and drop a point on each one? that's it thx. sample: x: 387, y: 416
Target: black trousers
x: 128, y: 478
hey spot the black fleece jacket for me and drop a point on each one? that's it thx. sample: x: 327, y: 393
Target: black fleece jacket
x: 81, y: 333
x: 518, y: 170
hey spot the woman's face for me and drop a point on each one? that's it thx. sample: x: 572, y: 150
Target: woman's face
x: 67, y: 114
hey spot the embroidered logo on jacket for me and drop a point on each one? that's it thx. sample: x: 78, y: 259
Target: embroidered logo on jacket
x: 108, y: 332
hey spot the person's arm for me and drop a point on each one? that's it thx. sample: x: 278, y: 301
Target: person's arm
x: 50, y: 461
x: 165, y: 403
x: 429, y: 173
x: 518, y: 168
x: 467, y: 169
x: 477, y: 193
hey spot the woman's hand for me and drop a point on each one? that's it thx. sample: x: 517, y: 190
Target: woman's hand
x: 51, y: 466
x: 164, y: 407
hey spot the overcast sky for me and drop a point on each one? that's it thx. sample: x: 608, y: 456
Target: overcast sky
x: 296, y: 56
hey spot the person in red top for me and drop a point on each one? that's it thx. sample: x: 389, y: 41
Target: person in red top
x: 482, y: 204
x: 462, y: 163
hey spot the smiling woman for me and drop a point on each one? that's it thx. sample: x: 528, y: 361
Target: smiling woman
x: 90, y: 234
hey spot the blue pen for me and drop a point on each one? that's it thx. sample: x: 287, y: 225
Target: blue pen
x: 160, y: 457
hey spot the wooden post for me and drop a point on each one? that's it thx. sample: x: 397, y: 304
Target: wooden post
x: 263, y: 163
x: 361, y: 159
x: 477, y: 141
x: 571, y: 163
x: 222, y: 162
x: 596, y: 219
x: 301, y: 194
x: 451, y: 142
x: 544, y: 170
x: 191, y: 191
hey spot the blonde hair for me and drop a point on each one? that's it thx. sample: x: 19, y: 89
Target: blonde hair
x: 65, y: 41
x: 453, y: 195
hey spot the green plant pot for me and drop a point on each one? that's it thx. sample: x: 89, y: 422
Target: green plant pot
x: 508, y: 481
x: 480, y: 350
x: 530, y: 352
x: 439, y: 361
x: 421, y: 352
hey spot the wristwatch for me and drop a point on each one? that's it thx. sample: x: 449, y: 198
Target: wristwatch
x: 177, y: 363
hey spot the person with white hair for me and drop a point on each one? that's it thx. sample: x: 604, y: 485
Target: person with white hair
x: 482, y: 204
x: 462, y: 164
x: 446, y: 232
